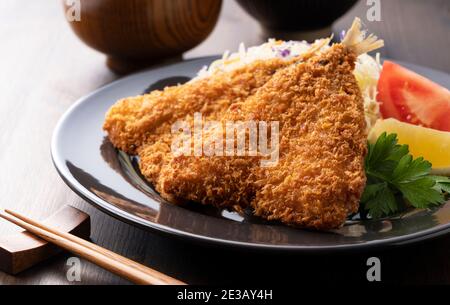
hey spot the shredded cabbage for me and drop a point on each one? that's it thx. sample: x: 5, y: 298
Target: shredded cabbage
x: 367, y: 72
x: 271, y: 49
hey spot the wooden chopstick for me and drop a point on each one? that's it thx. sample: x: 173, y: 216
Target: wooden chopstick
x: 107, y: 259
x: 92, y: 246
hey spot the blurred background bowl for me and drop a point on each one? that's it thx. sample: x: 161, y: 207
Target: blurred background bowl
x: 292, y: 19
x: 138, y: 33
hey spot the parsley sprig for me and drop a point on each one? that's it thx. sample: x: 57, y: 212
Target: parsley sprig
x: 395, y: 180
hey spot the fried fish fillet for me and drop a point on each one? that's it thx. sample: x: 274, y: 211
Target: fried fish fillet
x: 133, y: 121
x: 319, y: 178
x: 142, y: 124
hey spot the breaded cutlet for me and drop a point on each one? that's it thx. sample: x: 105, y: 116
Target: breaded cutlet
x: 142, y: 124
x: 144, y: 119
x: 320, y: 176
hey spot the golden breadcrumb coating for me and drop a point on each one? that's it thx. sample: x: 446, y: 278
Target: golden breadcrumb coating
x: 135, y: 120
x: 320, y: 176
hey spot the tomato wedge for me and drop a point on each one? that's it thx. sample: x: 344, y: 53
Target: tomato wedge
x: 412, y: 98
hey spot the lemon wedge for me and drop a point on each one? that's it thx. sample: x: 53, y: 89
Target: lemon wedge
x: 433, y: 145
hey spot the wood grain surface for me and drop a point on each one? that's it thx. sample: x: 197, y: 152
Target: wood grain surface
x: 44, y: 68
x: 136, y: 33
x: 23, y: 250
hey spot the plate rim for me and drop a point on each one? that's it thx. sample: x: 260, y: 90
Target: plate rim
x: 124, y: 216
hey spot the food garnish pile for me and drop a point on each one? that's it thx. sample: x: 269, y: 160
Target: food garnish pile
x: 415, y: 112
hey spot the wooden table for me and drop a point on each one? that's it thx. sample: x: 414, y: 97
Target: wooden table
x: 44, y: 69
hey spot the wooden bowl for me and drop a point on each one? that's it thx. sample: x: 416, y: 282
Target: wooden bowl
x: 137, y: 33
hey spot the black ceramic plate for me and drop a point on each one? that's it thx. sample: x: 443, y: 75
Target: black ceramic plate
x: 110, y: 180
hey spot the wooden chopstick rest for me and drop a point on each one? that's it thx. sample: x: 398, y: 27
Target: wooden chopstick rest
x: 105, y: 258
x: 23, y: 250
x: 102, y: 257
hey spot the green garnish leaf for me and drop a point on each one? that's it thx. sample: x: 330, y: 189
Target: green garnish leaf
x: 442, y: 183
x: 421, y: 193
x: 379, y: 200
x: 395, y: 179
